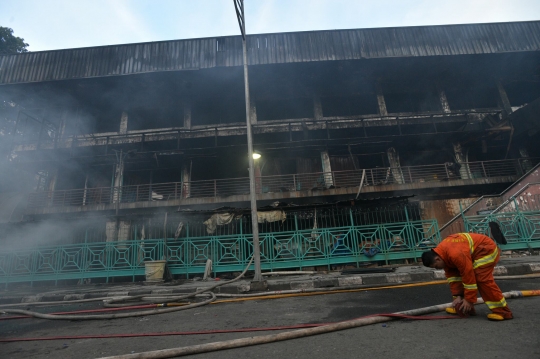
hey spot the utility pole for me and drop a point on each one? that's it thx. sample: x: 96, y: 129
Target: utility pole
x: 239, y: 7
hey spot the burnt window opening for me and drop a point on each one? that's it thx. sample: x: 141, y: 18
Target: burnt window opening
x: 467, y: 96
x: 218, y: 110
x: 220, y: 45
x: 365, y: 104
x: 520, y: 93
x: 412, y: 102
x: 283, y: 109
x: 144, y: 118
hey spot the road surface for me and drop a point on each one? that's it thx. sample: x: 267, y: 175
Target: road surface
x: 475, y: 337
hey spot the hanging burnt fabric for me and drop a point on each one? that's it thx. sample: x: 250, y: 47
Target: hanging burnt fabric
x: 219, y: 219
x: 271, y: 216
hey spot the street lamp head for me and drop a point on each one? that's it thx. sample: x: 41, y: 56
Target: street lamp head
x: 256, y: 155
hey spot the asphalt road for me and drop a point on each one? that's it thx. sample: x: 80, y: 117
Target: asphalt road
x: 475, y: 337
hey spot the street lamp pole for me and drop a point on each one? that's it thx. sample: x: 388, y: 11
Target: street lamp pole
x: 239, y: 7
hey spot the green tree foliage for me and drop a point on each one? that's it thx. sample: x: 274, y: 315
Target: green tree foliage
x: 10, y: 44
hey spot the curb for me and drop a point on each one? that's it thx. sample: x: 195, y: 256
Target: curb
x: 278, y: 285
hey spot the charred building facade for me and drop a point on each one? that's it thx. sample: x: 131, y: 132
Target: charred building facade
x: 370, y: 140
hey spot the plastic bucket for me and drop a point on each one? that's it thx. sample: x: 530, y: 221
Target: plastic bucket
x: 154, y: 270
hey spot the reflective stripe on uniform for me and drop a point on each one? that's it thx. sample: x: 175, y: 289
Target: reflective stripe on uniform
x: 471, y: 242
x: 490, y: 258
x: 470, y: 286
x: 453, y: 279
x: 500, y: 304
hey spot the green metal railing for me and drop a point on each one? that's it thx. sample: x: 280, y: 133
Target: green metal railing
x: 286, y: 249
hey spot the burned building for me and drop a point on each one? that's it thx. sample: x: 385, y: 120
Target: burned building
x: 370, y: 140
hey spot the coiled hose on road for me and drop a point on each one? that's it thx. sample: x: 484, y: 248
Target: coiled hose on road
x: 134, y: 314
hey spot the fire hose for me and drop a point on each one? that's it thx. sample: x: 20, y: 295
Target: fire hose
x: 139, y: 313
x: 301, y: 333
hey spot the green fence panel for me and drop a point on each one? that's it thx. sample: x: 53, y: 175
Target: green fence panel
x: 521, y: 229
x: 285, y: 249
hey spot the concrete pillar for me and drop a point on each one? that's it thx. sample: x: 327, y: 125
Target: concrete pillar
x: 123, y: 123
x: 117, y: 230
x: 504, y: 98
x: 252, y: 111
x: 327, y: 169
x: 111, y: 231
x: 395, y: 165
x: 123, y: 230
x: 380, y: 99
x: 461, y: 159
x: 443, y: 100
x: 118, y: 178
x: 317, y: 108
x: 187, y: 114
x: 52, y: 178
x: 186, y: 180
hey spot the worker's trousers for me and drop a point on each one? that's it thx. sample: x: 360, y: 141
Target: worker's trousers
x: 490, y: 291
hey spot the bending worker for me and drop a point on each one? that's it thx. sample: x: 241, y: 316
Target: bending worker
x: 468, y: 260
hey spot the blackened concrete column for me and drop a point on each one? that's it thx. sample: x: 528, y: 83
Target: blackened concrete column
x: 317, y: 108
x: 123, y: 123
x: 186, y: 180
x: 118, y: 177
x: 187, y: 114
x: 461, y: 159
x: 327, y: 169
x: 504, y: 98
x: 252, y: 111
x: 443, y: 100
x: 380, y: 99
x: 395, y: 165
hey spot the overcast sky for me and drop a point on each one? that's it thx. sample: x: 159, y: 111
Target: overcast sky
x: 58, y: 24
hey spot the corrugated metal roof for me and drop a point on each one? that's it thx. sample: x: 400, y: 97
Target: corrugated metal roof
x: 290, y: 47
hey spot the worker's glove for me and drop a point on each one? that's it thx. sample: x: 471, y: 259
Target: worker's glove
x: 464, y: 309
x: 457, y: 301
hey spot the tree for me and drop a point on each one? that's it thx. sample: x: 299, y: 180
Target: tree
x: 10, y: 44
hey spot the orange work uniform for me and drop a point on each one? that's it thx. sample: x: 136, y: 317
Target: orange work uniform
x: 469, y: 260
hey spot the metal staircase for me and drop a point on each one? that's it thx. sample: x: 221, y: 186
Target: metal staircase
x: 496, y: 203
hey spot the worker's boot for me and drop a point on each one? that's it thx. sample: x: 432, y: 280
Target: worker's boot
x: 498, y: 317
x: 495, y: 317
x: 451, y: 310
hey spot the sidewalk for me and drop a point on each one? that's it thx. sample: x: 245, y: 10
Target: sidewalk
x: 401, y: 274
